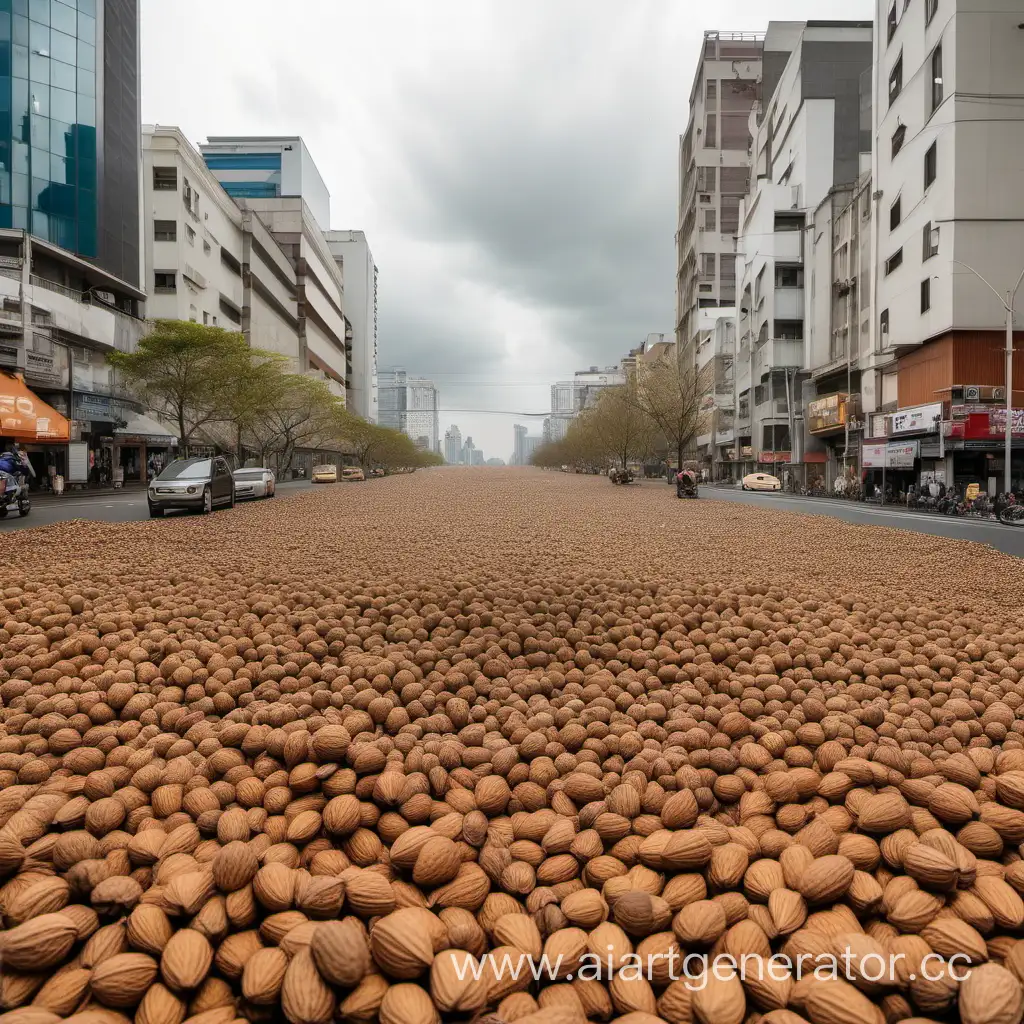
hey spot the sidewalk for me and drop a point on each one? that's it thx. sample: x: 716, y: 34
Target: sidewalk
x: 888, y: 506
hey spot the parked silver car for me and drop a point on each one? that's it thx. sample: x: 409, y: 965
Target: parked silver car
x: 253, y: 483
x: 198, y: 484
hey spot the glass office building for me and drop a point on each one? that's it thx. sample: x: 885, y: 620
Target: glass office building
x: 69, y: 113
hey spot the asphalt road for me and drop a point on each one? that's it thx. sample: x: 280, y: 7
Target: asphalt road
x: 115, y: 507
x: 1008, y: 539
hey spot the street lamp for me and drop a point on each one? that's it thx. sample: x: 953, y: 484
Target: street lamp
x: 1007, y: 304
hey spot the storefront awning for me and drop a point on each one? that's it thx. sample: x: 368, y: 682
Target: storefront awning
x: 27, y: 418
x: 142, y: 429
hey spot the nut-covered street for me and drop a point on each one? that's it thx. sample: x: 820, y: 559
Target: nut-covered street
x: 309, y: 758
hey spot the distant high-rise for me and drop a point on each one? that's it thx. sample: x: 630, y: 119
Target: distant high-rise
x: 409, y: 404
x: 519, y: 446
x: 453, y: 445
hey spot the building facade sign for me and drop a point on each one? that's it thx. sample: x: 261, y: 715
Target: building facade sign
x: 921, y: 419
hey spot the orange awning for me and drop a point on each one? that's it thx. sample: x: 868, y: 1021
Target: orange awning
x: 27, y: 418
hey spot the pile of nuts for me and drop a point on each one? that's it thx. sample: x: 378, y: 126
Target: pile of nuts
x: 242, y: 781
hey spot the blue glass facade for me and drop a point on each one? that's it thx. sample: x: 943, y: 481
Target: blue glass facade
x: 247, y: 175
x: 48, y: 119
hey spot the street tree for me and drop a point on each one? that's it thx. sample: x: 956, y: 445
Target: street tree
x: 182, y: 371
x: 670, y: 396
x: 303, y: 414
x: 622, y: 428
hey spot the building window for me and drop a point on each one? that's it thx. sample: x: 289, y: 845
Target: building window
x: 206, y: 247
x: 789, y: 277
x: 926, y: 295
x: 929, y: 242
x: 711, y: 132
x: 898, y: 138
x: 896, y: 79
x: 190, y: 235
x: 931, y: 164
x: 895, y: 214
x: 936, y: 76
x: 883, y: 323
x: 707, y: 179
x: 206, y: 317
x: 711, y: 90
x: 165, y: 179
x: 789, y: 222
x: 890, y: 24
x: 164, y: 282
x: 710, y: 220
x: 930, y: 7
x: 894, y: 262
x: 707, y: 264
x: 165, y: 230
x: 789, y: 330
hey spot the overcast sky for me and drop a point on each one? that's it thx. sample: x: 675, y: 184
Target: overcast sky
x: 512, y: 162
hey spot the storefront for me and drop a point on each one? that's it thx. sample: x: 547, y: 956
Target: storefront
x: 889, y: 467
x: 978, y: 440
x: 142, y: 448
x: 835, y: 421
x: 39, y: 429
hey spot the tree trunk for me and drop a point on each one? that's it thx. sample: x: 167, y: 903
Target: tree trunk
x: 679, y: 455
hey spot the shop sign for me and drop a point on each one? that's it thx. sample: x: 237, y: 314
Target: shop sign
x: 954, y: 428
x: 920, y: 419
x: 997, y: 422
x: 826, y: 413
x: 889, y: 456
x: 901, y: 456
x: 747, y: 451
x: 8, y: 355
x: 97, y: 407
x: 972, y: 491
x: 872, y: 456
x: 774, y: 457
x: 879, y: 424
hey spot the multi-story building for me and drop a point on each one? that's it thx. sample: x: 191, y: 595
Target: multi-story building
x: 519, y: 446
x: 811, y: 133
x: 570, y: 397
x: 325, y: 336
x: 468, y: 451
x: 477, y: 457
x: 70, y: 263
x: 276, y: 179
x: 838, y: 327
x: 351, y: 251
x: 453, y: 445
x: 207, y: 260
x: 714, y: 171
x: 948, y: 238
x: 409, y: 404
x: 715, y: 384
x: 269, y: 167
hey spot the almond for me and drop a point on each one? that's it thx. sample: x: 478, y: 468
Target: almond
x: 40, y: 943
x: 186, y: 960
x: 263, y: 976
x: 122, y: 980
x: 305, y: 997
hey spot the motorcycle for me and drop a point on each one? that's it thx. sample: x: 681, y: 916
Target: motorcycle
x: 1012, y: 513
x: 686, y: 486
x: 620, y: 476
x: 14, y: 495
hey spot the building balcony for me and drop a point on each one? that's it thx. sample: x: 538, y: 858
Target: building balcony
x: 789, y: 303
x: 788, y: 246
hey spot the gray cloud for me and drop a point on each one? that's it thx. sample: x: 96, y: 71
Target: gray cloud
x: 513, y: 164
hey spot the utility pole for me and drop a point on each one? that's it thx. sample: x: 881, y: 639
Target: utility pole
x: 1008, y: 304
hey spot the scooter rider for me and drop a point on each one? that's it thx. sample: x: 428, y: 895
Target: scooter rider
x: 13, y: 461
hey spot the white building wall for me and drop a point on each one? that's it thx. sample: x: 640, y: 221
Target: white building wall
x: 351, y: 251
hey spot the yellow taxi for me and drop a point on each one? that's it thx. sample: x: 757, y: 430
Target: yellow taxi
x: 325, y: 474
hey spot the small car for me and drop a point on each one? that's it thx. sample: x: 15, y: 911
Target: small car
x: 325, y: 474
x: 255, y: 482
x: 761, y: 482
x: 352, y: 473
x: 199, y: 484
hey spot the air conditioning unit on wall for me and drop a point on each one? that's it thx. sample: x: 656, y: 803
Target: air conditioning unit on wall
x: 972, y: 393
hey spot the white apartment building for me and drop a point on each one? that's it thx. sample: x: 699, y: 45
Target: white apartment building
x: 714, y: 171
x: 949, y: 148
x: 353, y: 255
x: 206, y: 259
x: 269, y: 167
x: 811, y: 132
x: 325, y: 336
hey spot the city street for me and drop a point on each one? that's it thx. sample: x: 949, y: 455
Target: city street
x: 107, y: 507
